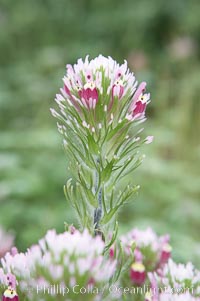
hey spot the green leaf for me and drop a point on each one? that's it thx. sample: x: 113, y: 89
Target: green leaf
x: 116, y: 130
x: 114, y: 236
x: 85, y: 189
x: 106, y: 172
x: 124, y: 196
x: 109, y: 216
x: 93, y: 146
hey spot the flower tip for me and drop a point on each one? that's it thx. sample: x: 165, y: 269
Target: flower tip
x: 149, y: 139
x: 14, y: 251
x: 143, y: 85
x: 148, y: 296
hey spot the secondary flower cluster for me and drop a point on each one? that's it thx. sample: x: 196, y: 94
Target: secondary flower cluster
x: 151, y: 271
x: 151, y: 252
x: 147, y: 251
x: 72, y: 265
x: 67, y: 260
x: 176, y: 282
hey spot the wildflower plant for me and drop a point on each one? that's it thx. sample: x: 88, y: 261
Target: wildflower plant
x: 100, y: 108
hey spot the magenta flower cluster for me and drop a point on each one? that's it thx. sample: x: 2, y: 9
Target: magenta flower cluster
x: 103, y: 80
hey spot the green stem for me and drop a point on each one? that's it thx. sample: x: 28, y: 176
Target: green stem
x: 98, y: 214
x: 98, y: 210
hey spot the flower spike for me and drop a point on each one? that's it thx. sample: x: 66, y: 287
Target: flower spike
x: 99, y: 107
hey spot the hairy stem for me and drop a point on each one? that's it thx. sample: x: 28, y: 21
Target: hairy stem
x: 98, y: 210
x: 98, y: 214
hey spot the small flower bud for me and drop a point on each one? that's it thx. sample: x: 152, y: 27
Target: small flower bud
x: 165, y: 253
x: 84, y: 123
x: 72, y: 229
x: 14, y: 251
x: 149, y: 139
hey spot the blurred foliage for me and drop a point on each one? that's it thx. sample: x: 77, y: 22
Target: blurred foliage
x: 160, y: 39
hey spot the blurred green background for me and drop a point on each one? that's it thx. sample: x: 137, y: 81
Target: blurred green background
x: 160, y: 40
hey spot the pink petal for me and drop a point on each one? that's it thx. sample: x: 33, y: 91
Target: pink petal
x: 149, y: 139
x: 139, y: 108
x: 141, y: 89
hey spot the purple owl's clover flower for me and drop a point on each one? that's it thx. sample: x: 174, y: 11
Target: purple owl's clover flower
x: 103, y: 86
x: 99, y: 104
